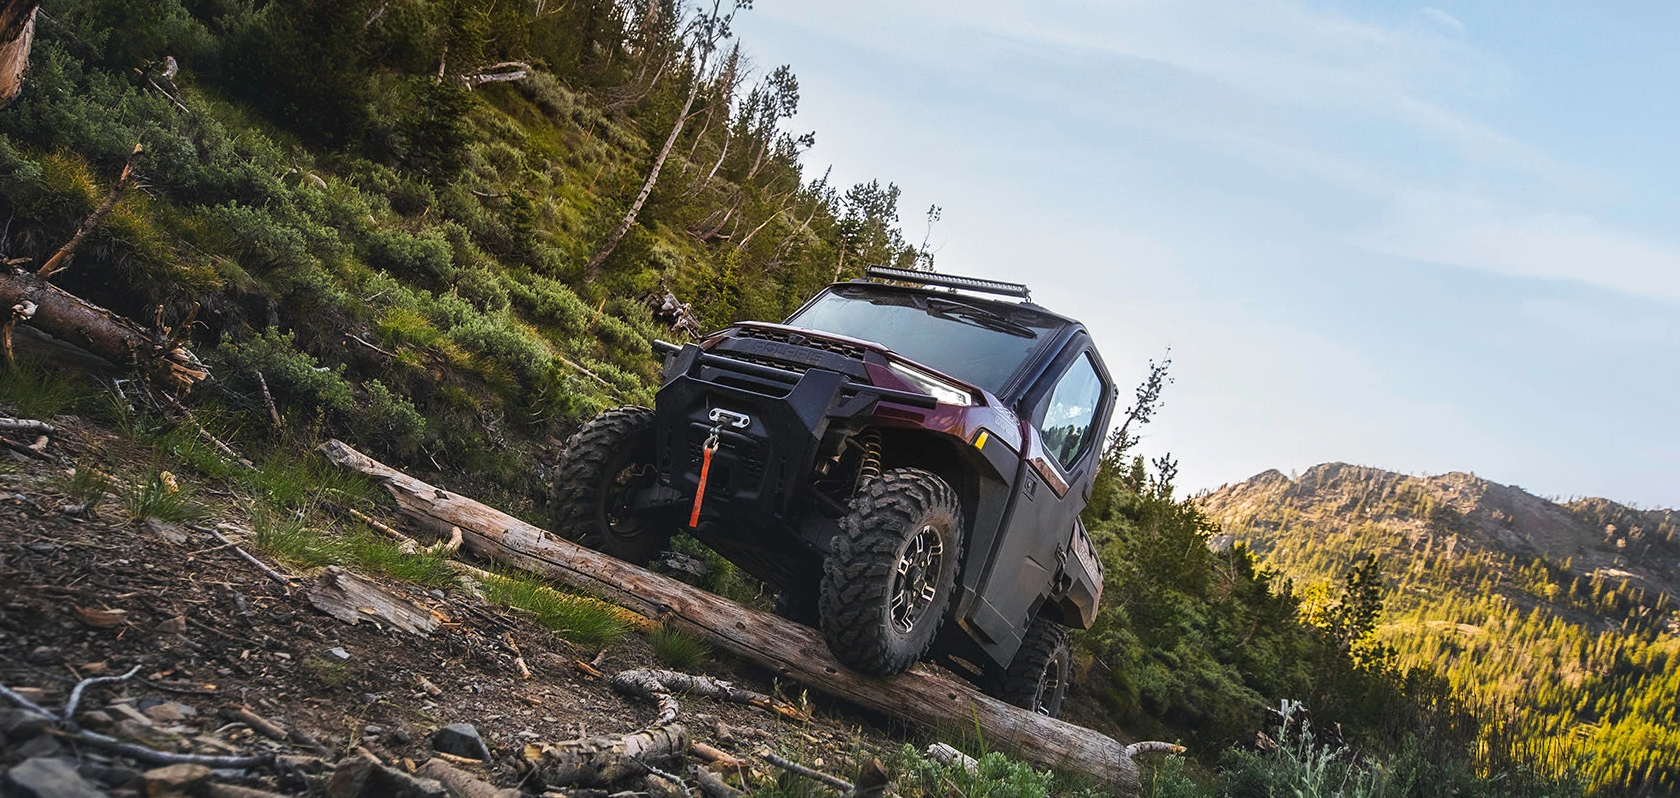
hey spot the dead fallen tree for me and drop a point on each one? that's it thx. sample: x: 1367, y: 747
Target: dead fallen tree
x: 795, y: 652
x: 158, y: 354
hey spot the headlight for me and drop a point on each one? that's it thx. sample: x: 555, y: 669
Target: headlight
x: 932, y: 386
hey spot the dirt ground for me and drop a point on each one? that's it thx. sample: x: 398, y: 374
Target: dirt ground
x: 97, y: 594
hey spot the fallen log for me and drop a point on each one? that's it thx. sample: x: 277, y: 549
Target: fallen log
x: 796, y: 652
x: 102, y: 332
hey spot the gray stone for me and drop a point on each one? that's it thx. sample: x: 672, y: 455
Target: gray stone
x: 21, y: 724
x: 174, y: 533
x: 44, y: 745
x: 43, y: 655
x: 372, y: 730
x: 338, y: 652
x: 170, y: 713
x: 359, y: 777
x: 460, y: 739
x: 46, y: 778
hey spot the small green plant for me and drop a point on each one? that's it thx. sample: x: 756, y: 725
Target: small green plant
x: 332, y: 674
x: 677, y: 648
x: 85, y: 486
x: 161, y: 497
x: 577, y: 618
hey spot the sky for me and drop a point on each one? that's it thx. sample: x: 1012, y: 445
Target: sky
x: 1424, y: 238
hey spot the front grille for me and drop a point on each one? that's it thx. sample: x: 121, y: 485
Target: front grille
x: 840, y: 348
x: 746, y: 467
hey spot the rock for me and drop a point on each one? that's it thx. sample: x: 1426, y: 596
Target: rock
x: 170, y: 713
x: 174, y: 779
x: 43, y: 655
x: 460, y: 739
x: 373, y: 731
x: 129, y: 713
x: 129, y: 729
x: 359, y: 777
x: 174, y: 533
x: 399, y: 736
x: 338, y: 652
x: 42, y: 746
x: 110, y: 775
x: 97, y: 719
x: 21, y: 724
x: 46, y: 778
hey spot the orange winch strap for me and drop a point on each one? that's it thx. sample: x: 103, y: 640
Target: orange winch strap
x: 700, y: 491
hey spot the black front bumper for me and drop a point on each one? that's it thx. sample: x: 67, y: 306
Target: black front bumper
x: 759, y: 473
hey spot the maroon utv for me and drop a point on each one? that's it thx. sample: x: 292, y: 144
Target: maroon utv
x: 904, y: 459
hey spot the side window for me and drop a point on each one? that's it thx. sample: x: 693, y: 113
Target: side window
x: 1066, y: 427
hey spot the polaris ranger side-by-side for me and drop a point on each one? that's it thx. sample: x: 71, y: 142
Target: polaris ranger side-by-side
x: 905, y: 459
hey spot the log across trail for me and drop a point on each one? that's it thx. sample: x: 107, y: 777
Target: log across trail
x: 796, y: 652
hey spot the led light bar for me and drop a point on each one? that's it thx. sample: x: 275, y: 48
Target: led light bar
x: 948, y: 281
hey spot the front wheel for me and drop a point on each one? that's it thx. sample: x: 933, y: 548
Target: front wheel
x: 1038, y: 678
x: 889, y: 577
x: 603, y: 466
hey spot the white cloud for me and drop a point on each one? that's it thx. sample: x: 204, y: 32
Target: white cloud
x: 1468, y: 231
x: 1443, y: 18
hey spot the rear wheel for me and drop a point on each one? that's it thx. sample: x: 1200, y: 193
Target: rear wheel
x: 888, y: 580
x: 603, y: 466
x: 1038, y: 678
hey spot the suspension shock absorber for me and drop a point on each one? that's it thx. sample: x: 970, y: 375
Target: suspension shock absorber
x: 869, y: 466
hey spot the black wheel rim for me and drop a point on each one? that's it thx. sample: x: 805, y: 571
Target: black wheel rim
x: 916, y: 578
x: 620, y: 521
x: 1050, y: 683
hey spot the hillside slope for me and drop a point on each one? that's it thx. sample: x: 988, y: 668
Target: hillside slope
x: 1558, y: 617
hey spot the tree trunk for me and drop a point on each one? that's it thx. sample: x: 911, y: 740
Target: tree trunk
x: 17, y: 31
x: 629, y: 219
x: 795, y: 652
x: 113, y: 337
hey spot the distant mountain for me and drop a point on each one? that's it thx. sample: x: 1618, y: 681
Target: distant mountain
x: 1562, y: 615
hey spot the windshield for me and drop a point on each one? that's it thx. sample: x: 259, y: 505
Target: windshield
x: 971, y: 340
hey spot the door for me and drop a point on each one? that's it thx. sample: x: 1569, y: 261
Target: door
x: 1064, y: 415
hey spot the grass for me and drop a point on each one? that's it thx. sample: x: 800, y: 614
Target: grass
x: 678, y: 649
x: 375, y: 553
x: 85, y: 486
x: 161, y: 497
x: 290, y: 537
x: 580, y: 619
x: 38, y: 393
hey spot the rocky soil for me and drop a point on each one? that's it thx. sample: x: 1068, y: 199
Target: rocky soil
x: 230, y: 662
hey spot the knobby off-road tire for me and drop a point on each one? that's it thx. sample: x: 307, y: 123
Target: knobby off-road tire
x: 612, y: 455
x: 1038, y: 678
x: 888, y: 581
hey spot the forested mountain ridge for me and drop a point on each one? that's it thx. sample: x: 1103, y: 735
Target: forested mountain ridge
x: 1560, y: 616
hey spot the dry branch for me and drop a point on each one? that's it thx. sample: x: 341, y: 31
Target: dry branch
x: 284, y: 580
x: 814, y: 775
x: 792, y: 651
x: 462, y: 784
x: 659, y: 685
x: 62, y: 257
x: 600, y: 761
